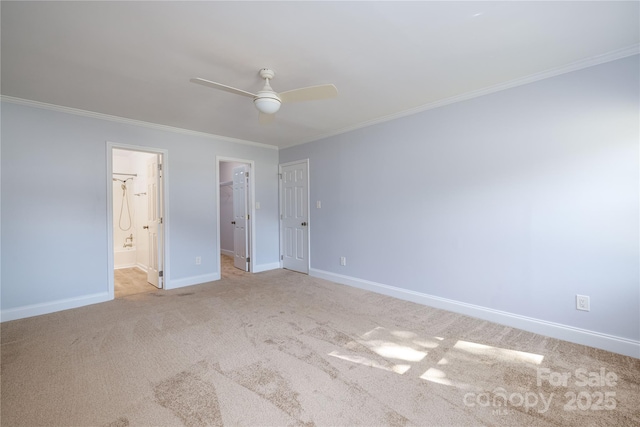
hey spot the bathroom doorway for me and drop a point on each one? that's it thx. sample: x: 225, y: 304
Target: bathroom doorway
x: 137, y: 221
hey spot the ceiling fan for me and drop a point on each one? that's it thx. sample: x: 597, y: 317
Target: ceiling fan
x: 267, y: 101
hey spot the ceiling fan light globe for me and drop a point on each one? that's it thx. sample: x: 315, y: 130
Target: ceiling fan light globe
x: 267, y: 105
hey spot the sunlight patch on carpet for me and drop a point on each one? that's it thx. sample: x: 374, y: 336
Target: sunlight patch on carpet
x: 498, y: 354
x: 400, y: 345
x: 398, y: 349
x: 398, y: 369
x: 467, y: 361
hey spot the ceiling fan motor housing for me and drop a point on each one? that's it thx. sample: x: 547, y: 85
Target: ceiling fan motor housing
x: 267, y: 73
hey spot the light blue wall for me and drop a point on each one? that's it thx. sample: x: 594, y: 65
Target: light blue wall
x: 514, y: 201
x: 54, y: 204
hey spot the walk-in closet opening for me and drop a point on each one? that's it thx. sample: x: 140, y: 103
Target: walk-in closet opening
x: 235, y: 204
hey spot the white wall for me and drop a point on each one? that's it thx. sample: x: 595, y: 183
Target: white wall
x: 503, y: 207
x: 54, y: 205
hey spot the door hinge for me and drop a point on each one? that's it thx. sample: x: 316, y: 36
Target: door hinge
x: 281, y: 217
x: 159, y: 166
x: 248, y: 216
x: 160, y: 273
x: 281, y: 257
x: 160, y: 220
x: 248, y: 259
x: 280, y: 175
x: 246, y: 174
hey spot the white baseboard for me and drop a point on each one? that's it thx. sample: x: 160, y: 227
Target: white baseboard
x: 141, y: 267
x: 266, y: 267
x: 193, y: 280
x: 121, y: 266
x: 226, y: 252
x: 586, y: 337
x: 53, y: 306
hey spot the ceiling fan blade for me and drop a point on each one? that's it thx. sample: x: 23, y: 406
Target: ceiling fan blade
x: 222, y: 87
x: 266, y: 119
x: 310, y: 93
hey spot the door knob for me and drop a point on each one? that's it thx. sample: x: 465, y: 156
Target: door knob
x: 145, y: 227
x: 304, y: 224
x: 233, y: 222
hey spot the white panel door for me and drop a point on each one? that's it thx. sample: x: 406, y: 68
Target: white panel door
x: 241, y: 217
x: 295, y: 217
x: 154, y: 220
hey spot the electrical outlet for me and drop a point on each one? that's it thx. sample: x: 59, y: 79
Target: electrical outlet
x: 343, y: 260
x: 198, y: 260
x: 582, y: 303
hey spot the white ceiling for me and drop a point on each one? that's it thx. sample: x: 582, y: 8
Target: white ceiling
x: 135, y: 59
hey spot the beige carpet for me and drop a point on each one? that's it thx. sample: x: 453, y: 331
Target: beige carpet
x: 284, y: 349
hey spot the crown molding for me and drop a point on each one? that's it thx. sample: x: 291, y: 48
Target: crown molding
x: 574, y: 66
x: 118, y: 119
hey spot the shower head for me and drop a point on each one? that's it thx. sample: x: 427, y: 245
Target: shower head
x: 123, y: 181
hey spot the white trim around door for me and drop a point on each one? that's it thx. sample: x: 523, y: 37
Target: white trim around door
x: 164, y: 211
x: 251, y: 202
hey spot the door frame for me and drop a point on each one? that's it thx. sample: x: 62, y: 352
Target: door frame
x: 281, y: 211
x: 251, y: 203
x: 164, y: 210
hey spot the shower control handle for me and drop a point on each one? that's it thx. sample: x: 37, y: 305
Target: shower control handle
x: 145, y: 227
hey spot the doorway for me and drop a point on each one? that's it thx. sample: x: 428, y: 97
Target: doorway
x: 137, y: 243
x: 235, y: 214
